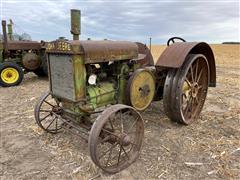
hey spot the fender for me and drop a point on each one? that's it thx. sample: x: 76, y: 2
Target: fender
x: 148, y: 59
x: 174, y: 56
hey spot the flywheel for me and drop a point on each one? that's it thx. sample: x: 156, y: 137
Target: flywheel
x: 140, y: 89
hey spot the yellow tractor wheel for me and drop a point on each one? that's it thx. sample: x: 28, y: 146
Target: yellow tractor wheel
x: 11, y: 74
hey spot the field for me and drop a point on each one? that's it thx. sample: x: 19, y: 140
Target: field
x: 207, y: 149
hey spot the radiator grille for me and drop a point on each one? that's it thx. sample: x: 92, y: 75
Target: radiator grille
x: 61, y: 72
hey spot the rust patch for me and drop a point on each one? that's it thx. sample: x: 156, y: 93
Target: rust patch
x: 23, y: 45
x: 104, y: 51
x: 175, y: 54
x: 148, y: 59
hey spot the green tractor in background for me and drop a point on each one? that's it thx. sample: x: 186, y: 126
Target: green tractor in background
x: 20, y: 56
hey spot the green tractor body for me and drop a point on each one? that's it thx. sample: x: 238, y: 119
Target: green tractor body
x: 92, y: 73
x: 72, y: 65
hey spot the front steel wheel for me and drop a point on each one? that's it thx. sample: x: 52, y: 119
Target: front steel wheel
x: 116, y: 138
x: 185, y: 89
x: 47, y: 112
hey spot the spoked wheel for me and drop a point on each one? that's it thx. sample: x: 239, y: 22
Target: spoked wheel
x: 185, y: 89
x: 47, y: 112
x: 116, y: 138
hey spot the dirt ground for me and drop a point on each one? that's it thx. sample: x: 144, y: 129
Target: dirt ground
x: 207, y: 149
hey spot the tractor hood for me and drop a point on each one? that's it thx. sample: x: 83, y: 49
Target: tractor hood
x: 96, y: 51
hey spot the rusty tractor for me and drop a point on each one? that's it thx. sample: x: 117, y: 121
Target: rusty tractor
x: 99, y: 88
x: 20, y: 56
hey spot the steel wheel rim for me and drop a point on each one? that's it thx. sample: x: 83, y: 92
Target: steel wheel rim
x: 47, y: 118
x: 117, y: 154
x: 194, y: 86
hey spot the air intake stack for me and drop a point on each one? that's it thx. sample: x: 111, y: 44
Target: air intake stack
x: 75, y: 23
x: 10, y: 30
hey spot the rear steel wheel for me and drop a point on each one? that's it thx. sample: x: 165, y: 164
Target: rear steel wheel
x: 116, y: 138
x: 185, y: 89
x: 167, y: 93
x: 47, y: 111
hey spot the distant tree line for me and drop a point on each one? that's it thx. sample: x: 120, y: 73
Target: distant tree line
x: 231, y: 43
x: 19, y: 37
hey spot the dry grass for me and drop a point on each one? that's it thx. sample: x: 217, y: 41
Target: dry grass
x: 225, y: 55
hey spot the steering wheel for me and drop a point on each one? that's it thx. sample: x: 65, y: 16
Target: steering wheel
x: 172, y: 40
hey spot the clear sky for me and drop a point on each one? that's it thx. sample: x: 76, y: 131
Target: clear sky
x: 213, y: 21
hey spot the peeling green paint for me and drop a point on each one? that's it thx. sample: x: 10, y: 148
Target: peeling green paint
x: 79, y: 76
x: 101, y: 94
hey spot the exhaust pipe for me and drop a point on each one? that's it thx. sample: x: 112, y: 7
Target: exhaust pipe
x: 75, y: 23
x: 5, y: 37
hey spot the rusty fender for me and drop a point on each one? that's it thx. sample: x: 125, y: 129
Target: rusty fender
x: 175, y: 54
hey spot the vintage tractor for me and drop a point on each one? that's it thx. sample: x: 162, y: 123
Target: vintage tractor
x: 20, y: 56
x: 99, y: 88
